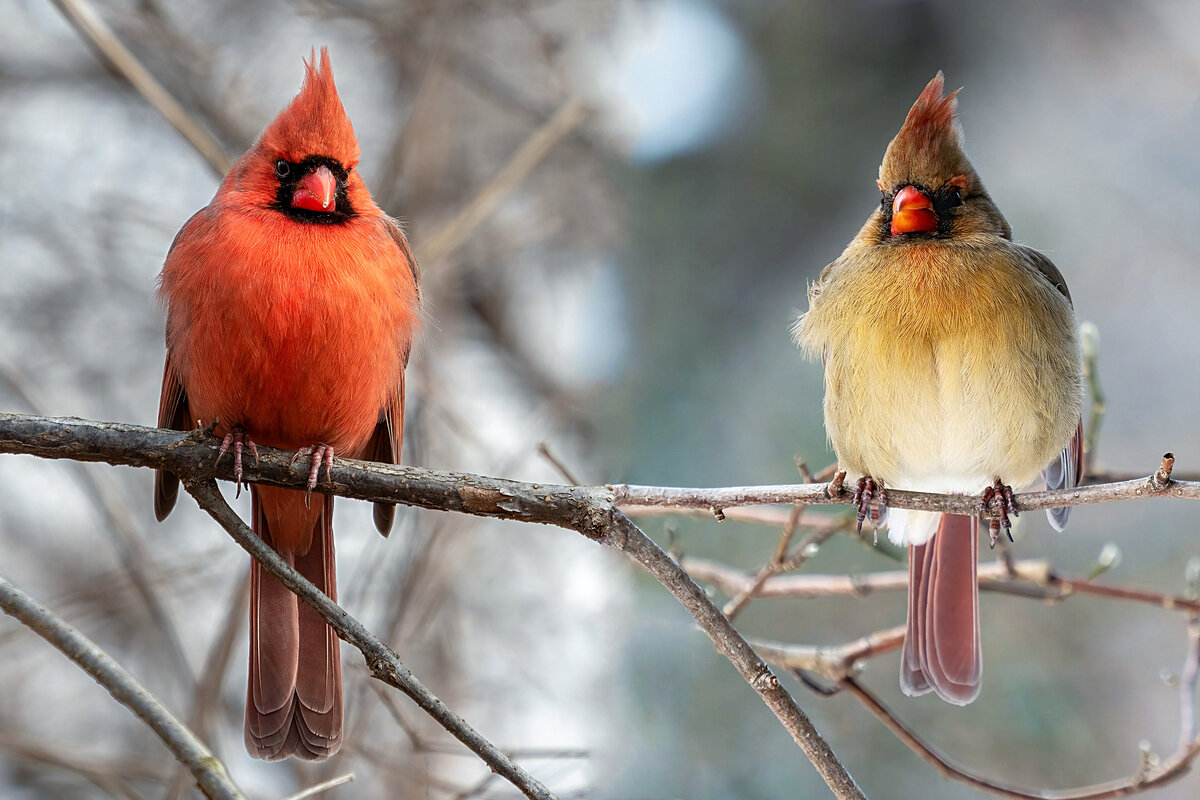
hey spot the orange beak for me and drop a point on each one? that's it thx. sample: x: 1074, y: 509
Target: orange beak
x: 315, y: 190
x: 912, y: 212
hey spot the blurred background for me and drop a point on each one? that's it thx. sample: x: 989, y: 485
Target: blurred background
x: 617, y: 283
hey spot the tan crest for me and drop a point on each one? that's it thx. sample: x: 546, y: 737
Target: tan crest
x: 928, y: 149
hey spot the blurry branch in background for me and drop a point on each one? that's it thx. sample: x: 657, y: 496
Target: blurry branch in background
x: 106, y: 44
x: 111, y: 778
x: 1153, y: 772
x: 207, y: 694
x: 323, y: 786
x: 434, y: 247
x: 127, y: 540
x: 1032, y: 578
x: 209, y: 772
x: 529, y: 155
x: 587, y: 510
x: 1089, y: 339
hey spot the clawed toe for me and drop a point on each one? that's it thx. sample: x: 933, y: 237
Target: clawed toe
x: 1006, y: 504
x: 866, y: 490
x: 238, y: 439
x: 319, y: 454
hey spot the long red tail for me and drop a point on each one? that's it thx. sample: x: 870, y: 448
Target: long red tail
x: 294, y: 696
x: 941, y: 648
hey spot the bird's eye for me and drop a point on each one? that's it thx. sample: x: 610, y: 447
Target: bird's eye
x: 282, y: 168
x: 953, y: 198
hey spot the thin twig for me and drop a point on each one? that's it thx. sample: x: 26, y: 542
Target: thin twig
x: 101, y: 38
x: 209, y: 772
x: 775, y: 565
x: 548, y: 454
x: 1033, y: 578
x: 324, y: 786
x: 830, y: 662
x: 731, y: 581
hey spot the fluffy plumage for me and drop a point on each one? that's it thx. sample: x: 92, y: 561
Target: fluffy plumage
x: 293, y: 322
x: 951, y: 360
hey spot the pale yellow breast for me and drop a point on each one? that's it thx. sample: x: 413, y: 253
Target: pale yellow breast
x: 946, y: 366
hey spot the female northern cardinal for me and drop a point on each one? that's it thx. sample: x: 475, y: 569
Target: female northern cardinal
x: 292, y: 302
x: 951, y: 364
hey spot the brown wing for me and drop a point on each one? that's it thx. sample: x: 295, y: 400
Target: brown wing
x: 385, y: 443
x: 384, y: 447
x: 1065, y: 471
x: 397, y: 233
x: 1047, y: 268
x: 173, y: 410
x: 173, y: 413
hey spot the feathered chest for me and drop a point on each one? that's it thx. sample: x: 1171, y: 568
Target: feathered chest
x: 944, y: 361
x: 297, y: 330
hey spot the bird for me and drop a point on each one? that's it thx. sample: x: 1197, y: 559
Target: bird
x: 951, y: 365
x: 292, y: 303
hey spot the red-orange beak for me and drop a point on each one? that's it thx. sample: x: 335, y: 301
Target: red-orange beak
x: 912, y: 212
x: 315, y: 191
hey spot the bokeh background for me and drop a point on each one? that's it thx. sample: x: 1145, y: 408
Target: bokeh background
x: 627, y: 301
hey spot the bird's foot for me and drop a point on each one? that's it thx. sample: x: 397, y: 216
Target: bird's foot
x: 1006, y: 503
x: 866, y: 490
x: 319, y: 454
x: 239, y: 439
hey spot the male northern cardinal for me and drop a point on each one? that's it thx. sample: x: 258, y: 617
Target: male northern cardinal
x: 292, y: 301
x: 951, y: 364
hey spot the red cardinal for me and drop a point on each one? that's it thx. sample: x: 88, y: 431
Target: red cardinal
x: 951, y: 364
x: 292, y: 301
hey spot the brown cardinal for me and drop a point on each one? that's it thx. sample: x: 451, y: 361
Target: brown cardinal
x: 951, y: 365
x: 292, y: 302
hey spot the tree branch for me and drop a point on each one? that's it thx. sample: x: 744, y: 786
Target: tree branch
x: 966, y: 505
x: 630, y: 540
x: 587, y: 510
x: 209, y: 772
x: 581, y: 508
x: 591, y: 511
x: 383, y: 663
